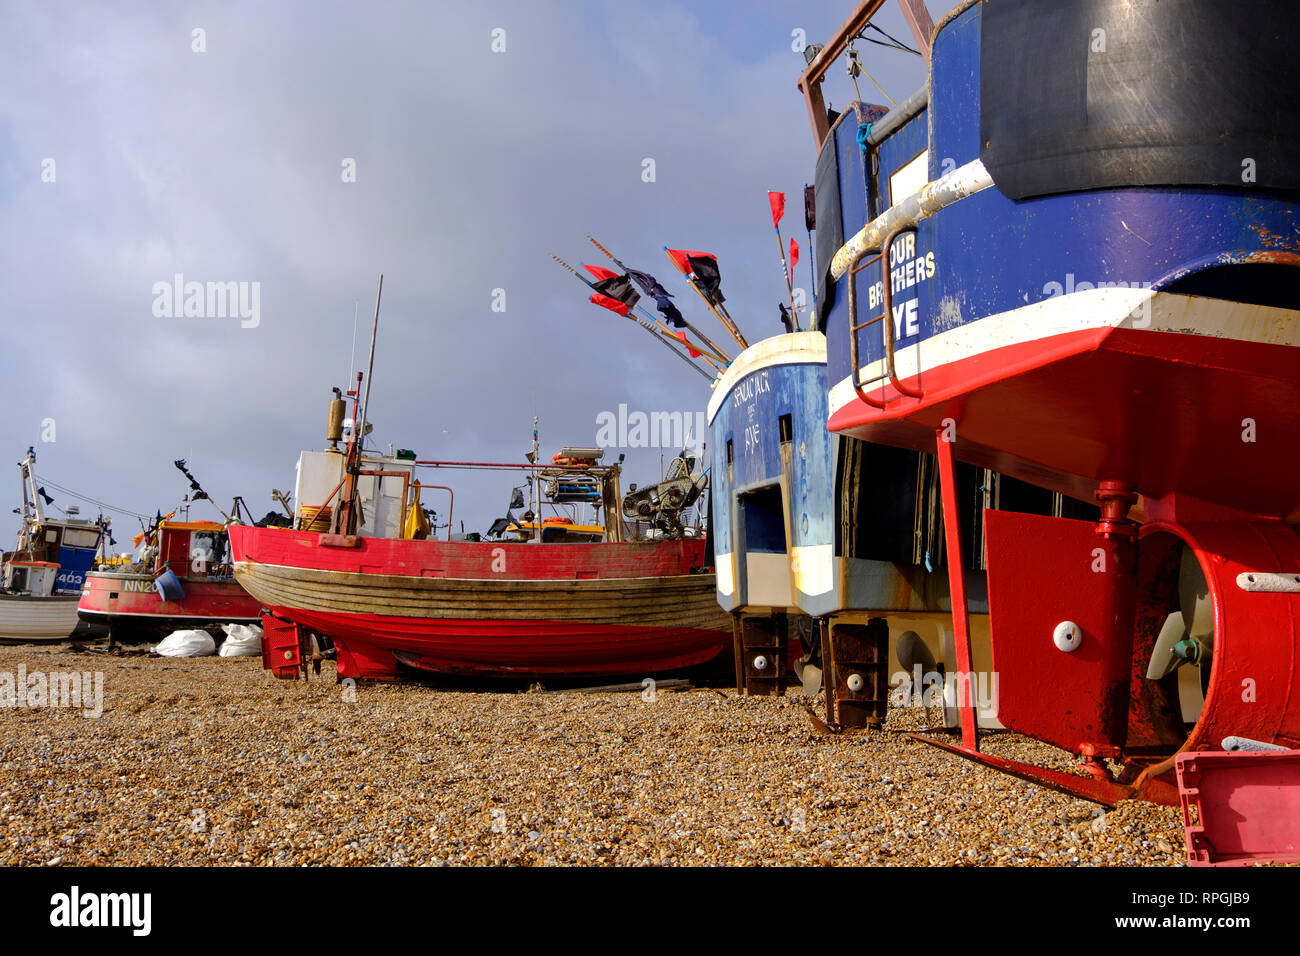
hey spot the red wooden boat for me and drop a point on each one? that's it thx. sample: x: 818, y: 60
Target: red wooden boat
x: 184, y: 581
x: 490, y: 608
x: 543, y: 595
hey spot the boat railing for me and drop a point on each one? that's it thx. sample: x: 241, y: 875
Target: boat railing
x: 878, y: 237
x: 886, y: 317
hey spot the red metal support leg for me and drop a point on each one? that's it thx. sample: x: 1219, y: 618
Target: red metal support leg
x: 957, y: 588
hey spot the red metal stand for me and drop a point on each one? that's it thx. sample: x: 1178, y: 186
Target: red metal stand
x: 957, y: 588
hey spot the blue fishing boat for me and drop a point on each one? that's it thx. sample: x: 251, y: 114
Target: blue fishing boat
x: 817, y: 579
x: 1070, y: 260
x: 42, y: 577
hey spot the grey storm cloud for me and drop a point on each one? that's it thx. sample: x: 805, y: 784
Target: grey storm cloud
x: 471, y: 168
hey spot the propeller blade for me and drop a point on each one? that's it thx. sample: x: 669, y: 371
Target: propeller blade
x: 911, y: 650
x: 810, y: 675
x: 1194, y: 600
x: 1163, y: 659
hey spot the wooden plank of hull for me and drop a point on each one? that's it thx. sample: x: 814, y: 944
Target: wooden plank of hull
x: 680, y: 601
x: 26, y: 618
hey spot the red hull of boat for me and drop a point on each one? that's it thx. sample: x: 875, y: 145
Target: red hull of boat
x: 370, y: 646
x: 130, y: 606
x: 490, y: 609
x: 1158, y: 411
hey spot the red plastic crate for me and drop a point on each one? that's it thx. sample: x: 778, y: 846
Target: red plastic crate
x: 1247, y: 803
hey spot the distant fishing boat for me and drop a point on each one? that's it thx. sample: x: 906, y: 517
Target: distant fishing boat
x: 42, y: 576
x: 538, y: 597
x: 183, y: 579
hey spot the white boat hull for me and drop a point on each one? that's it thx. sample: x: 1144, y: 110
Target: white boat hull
x: 27, y: 618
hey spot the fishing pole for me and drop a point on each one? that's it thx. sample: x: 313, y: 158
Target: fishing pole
x: 682, y: 355
x: 199, y: 493
x: 780, y: 248
x: 717, y: 352
x: 668, y: 333
x: 718, y: 312
x: 812, y: 268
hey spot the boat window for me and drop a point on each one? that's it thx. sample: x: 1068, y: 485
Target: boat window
x: 78, y: 538
x: 763, y: 518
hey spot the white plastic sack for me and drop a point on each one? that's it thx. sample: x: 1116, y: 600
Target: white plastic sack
x: 187, y: 644
x: 242, y: 640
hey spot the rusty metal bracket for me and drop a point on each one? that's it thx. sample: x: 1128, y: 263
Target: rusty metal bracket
x: 821, y: 726
x: 761, y: 647
x: 855, y: 677
x: 918, y: 21
x: 1108, y: 792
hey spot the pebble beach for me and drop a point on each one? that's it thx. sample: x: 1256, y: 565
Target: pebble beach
x: 213, y: 761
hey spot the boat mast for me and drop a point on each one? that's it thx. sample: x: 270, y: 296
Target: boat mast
x: 537, y: 489
x: 370, y: 366
x: 33, y: 517
x: 29, y: 488
x: 348, y: 523
x: 613, y: 496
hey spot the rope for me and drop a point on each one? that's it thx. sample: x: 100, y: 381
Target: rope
x: 93, y: 501
x: 878, y: 86
x: 894, y: 43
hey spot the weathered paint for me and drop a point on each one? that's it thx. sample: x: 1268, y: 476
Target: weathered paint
x: 1053, y: 336
x: 128, y: 602
x: 985, y: 283
x: 792, y: 564
x: 490, y: 608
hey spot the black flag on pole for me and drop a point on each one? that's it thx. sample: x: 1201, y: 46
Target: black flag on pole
x: 649, y: 284
x: 651, y: 287
x: 619, y: 288
x: 708, y: 277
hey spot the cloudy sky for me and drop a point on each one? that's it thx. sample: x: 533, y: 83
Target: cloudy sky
x: 472, y: 166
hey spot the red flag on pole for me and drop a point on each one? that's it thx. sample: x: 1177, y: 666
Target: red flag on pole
x: 613, y: 305
x: 600, y: 273
x: 683, y: 258
x: 794, y: 255
x: 695, y: 353
x: 777, y: 201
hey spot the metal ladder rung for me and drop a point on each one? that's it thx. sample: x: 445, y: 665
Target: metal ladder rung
x: 863, y: 325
